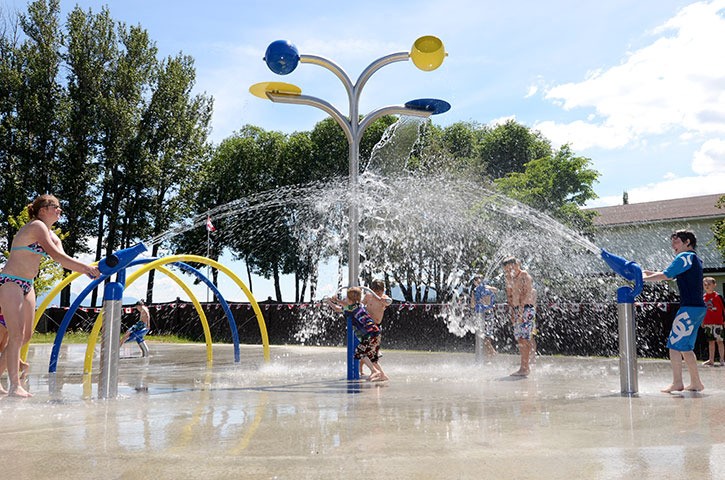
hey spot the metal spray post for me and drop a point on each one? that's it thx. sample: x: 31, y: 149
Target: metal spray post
x: 627, y: 326
x: 112, y: 308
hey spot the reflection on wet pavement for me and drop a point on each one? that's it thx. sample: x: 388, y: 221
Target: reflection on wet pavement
x: 440, y: 416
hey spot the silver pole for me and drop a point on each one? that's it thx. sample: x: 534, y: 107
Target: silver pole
x: 110, y: 338
x: 627, y: 348
x: 479, y: 346
x: 208, y: 248
x: 353, y: 247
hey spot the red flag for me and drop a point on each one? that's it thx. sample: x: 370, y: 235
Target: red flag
x: 209, y: 226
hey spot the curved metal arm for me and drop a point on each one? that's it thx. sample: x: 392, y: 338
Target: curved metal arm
x: 319, y: 103
x: 377, y: 65
x: 331, y: 66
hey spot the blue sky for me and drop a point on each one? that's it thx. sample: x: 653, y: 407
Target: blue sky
x: 637, y: 86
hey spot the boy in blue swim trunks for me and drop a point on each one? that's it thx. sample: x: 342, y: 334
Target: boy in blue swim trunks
x: 140, y: 328
x: 686, y: 269
x: 521, y: 299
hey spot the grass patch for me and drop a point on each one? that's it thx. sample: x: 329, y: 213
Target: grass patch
x: 82, y: 337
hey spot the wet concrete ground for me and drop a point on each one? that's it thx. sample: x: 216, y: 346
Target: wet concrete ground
x: 440, y: 416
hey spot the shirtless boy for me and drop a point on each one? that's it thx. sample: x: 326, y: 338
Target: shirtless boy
x: 375, y: 303
x: 521, y: 298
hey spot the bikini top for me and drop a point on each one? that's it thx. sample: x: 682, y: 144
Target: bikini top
x: 33, y: 247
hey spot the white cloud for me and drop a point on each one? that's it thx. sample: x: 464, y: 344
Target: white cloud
x: 583, y: 135
x: 676, y: 83
x: 501, y: 120
x: 710, y: 158
x: 681, y: 187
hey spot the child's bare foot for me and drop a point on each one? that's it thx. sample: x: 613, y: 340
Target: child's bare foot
x: 2, y: 390
x: 695, y: 387
x: 673, y: 388
x: 18, y: 391
x: 708, y: 363
x: 520, y: 373
x: 378, y: 377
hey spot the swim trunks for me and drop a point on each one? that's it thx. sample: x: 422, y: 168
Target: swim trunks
x: 684, y: 328
x: 525, y: 328
x: 369, y: 347
x: 713, y: 333
x: 137, y: 332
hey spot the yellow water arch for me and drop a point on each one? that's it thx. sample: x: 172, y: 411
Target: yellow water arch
x: 149, y: 266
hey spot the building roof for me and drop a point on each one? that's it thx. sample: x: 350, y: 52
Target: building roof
x: 692, y: 208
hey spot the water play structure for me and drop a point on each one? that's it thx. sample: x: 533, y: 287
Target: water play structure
x: 282, y: 57
x: 632, y: 272
x: 445, y: 218
x: 117, y: 264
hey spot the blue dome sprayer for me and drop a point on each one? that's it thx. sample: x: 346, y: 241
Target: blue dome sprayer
x: 112, y: 309
x: 632, y: 272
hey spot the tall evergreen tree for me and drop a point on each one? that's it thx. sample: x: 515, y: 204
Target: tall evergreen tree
x: 174, y: 138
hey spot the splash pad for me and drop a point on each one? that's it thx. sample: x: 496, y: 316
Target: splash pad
x: 299, y: 417
x: 442, y: 416
x: 117, y: 264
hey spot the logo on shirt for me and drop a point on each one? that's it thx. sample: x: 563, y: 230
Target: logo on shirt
x: 686, y: 261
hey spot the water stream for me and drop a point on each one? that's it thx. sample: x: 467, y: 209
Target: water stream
x: 431, y: 234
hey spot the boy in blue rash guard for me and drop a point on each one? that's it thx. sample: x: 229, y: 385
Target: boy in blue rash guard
x: 686, y: 269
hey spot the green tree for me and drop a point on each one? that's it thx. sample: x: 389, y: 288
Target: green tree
x: 330, y: 157
x: 90, y: 47
x: 127, y: 79
x: 507, y: 148
x: 235, y: 171
x: 558, y: 184
x: 30, y: 97
x: 15, y: 181
x: 41, y: 95
x: 174, y: 132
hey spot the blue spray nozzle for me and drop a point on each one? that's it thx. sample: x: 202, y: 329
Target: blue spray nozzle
x: 628, y: 270
x: 120, y: 259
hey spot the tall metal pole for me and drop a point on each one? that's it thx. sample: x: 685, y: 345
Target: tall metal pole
x: 627, y: 327
x: 627, y: 345
x: 110, y: 338
x: 112, y: 307
x: 353, y: 364
x: 283, y: 59
x: 208, y: 248
x: 354, y: 212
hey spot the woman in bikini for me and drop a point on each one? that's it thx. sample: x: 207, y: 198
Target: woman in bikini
x: 34, y: 241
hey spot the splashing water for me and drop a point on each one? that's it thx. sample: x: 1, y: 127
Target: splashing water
x: 429, y: 235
